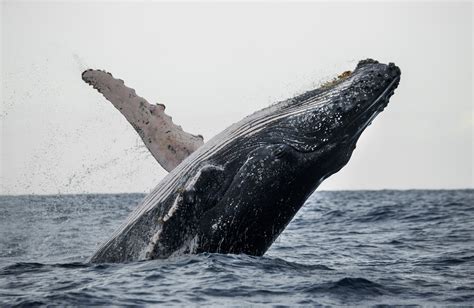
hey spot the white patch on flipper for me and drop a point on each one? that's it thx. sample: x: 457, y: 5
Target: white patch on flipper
x: 191, y: 244
x: 151, y: 245
x: 190, y: 185
x: 173, y: 208
x: 167, y: 142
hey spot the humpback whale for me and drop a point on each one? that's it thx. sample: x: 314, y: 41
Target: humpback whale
x: 238, y: 191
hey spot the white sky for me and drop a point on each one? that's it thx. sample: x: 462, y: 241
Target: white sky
x: 213, y: 63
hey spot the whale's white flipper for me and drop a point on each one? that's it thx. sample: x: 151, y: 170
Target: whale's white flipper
x: 167, y: 142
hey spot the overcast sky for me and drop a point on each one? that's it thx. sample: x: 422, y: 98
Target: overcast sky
x: 212, y: 64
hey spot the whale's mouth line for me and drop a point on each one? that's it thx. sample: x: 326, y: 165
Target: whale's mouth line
x: 345, y: 138
x: 369, y: 109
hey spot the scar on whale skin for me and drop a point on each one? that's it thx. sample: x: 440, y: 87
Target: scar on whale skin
x: 166, y: 141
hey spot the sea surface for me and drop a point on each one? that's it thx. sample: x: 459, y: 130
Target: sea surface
x: 343, y: 248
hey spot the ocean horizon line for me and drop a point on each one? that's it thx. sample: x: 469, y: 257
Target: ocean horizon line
x: 324, y: 190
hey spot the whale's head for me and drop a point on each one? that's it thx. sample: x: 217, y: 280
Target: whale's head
x: 323, y: 125
x: 290, y: 148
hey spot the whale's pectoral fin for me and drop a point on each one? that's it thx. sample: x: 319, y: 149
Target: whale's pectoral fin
x: 167, y: 142
x: 240, y: 222
x: 181, y: 219
x: 205, y: 189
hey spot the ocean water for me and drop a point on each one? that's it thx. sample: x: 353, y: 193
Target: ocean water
x: 343, y: 248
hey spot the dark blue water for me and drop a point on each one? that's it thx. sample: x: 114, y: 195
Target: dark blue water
x: 356, y: 248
